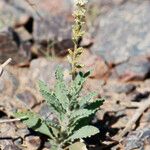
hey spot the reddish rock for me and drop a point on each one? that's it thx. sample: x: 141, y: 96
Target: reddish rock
x: 96, y: 63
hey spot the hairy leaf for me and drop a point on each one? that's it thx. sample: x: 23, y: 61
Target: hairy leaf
x: 86, y: 99
x: 61, y: 91
x: 81, y: 113
x: 50, y: 99
x: 84, y: 132
x: 77, y: 116
x: 77, y: 84
x: 94, y: 105
x: 34, y: 122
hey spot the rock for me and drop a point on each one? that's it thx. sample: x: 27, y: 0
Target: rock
x: 23, y: 34
x: 50, y: 20
x: 118, y: 87
x: 134, y: 69
x: 55, y: 24
x: 119, y: 37
x: 55, y: 28
x: 9, y: 15
x: 27, y: 98
x: 43, y: 69
x: 22, y: 131
x: 7, y: 135
x: 8, y: 131
x: 11, y: 147
x: 18, y: 141
x: 137, y: 96
x: 96, y: 63
x: 47, y: 22
x: 33, y: 142
x: 11, y: 46
x: 137, y: 139
x: 8, y: 83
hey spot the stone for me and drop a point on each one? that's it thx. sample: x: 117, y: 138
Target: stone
x: 118, y: 87
x: 18, y: 141
x: 43, y: 69
x: 27, y: 98
x: 11, y: 147
x: 33, y: 142
x: 55, y: 27
x: 138, y: 96
x: 11, y: 46
x: 9, y: 42
x: 45, y: 20
x: 9, y: 15
x: 134, y: 69
x: 136, y: 139
x: 121, y: 34
x: 23, y: 34
x: 95, y: 63
x: 9, y: 83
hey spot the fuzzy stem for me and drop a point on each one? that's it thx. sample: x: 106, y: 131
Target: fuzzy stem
x: 73, y: 62
x: 77, y: 33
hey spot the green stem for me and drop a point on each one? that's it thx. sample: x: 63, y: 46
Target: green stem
x: 73, y: 61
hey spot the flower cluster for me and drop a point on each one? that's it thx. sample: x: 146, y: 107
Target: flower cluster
x: 77, y: 33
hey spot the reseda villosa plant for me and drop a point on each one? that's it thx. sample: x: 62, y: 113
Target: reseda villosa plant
x: 72, y: 112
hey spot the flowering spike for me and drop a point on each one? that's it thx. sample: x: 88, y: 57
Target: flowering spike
x: 77, y: 33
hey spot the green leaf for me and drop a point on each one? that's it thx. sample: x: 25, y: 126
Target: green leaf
x: 81, y: 113
x: 94, y: 105
x: 52, y: 124
x: 77, y: 117
x: 59, y: 74
x: 84, y: 132
x: 61, y: 91
x: 51, y: 99
x: 34, y: 122
x: 86, y: 99
x: 77, y: 84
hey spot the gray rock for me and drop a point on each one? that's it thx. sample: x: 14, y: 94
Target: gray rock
x: 55, y: 28
x: 43, y: 69
x: 9, y: 83
x: 134, y: 69
x: 11, y: 46
x: 27, y: 98
x: 9, y: 13
x: 33, y: 142
x: 120, y: 88
x: 124, y: 32
x: 11, y: 147
x: 136, y: 139
x: 51, y: 22
x: 138, y: 96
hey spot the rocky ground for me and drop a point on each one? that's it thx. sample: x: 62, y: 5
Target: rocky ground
x: 37, y: 35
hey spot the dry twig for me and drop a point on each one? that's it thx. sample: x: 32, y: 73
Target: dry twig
x: 4, y: 65
x: 9, y: 120
x: 143, y: 106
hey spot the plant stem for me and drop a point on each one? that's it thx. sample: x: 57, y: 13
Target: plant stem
x: 73, y: 61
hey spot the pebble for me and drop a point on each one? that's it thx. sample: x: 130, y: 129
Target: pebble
x: 136, y: 139
x: 33, y: 142
x: 27, y: 98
